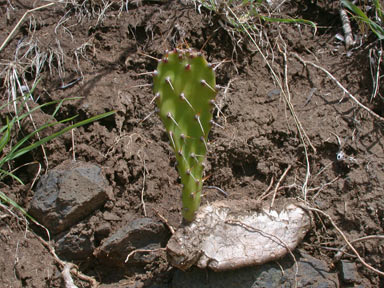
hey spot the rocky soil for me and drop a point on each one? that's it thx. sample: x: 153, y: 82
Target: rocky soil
x: 111, y: 187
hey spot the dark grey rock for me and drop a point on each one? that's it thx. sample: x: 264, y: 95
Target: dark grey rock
x: 311, y: 273
x: 348, y: 272
x: 102, y: 231
x: 76, y: 244
x: 67, y: 194
x: 141, y: 233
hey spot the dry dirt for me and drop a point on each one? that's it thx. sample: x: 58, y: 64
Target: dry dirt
x: 259, y: 141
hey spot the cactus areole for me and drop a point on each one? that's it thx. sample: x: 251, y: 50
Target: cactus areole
x: 184, y: 87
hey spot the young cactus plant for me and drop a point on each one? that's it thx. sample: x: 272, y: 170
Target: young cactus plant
x: 184, y: 87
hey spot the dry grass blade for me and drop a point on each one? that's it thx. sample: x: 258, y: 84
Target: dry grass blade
x: 349, y: 244
x: 286, y: 94
x: 378, y: 117
x: 14, y: 30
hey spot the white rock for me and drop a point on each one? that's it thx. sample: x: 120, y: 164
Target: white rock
x: 232, y: 234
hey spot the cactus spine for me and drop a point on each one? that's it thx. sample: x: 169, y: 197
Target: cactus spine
x: 184, y: 87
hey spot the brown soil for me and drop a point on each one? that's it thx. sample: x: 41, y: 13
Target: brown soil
x: 260, y: 139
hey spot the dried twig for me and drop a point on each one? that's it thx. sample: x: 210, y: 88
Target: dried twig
x: 73, y: 144
x: 342, y: 250
x: 170, y: 227
x: 142, y: 190
x: 66, y: 273
x: 67, y: 265
x: 143, y: 250
x: 349, y: 244
x: 340, y: 85
x: 266, y: 194
x: 278, y: 184
x: 348, y: 36
x: 300, y: 128
x: 142, y: 203
x: 375, y: 75
x: 286, y: 95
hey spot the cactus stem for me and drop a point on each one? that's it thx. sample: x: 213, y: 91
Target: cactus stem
x: 183, y: 86
x: 173, y: 141
x: 168, y: 80
x: 204, y: 83
x: 197, y: 118
x: 169, y: 116
x: 216, y: 124
x: 182, y: 97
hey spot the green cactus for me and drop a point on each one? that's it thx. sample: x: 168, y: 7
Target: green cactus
x: 184, y: 87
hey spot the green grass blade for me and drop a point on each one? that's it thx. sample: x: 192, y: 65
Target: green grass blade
x: 356, y: 10
x: 7, y: 135
x: 57, y: 108
x: 9, y: 201
x: 360, y: 15
x: 22, y: 151
x: 11, y: 155
x: 24, y: 115
x: 379, y: 10
x: 289, y: 21
x: 6, y: 173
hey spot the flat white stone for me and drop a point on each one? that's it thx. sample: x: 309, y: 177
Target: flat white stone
x: 232, y: 234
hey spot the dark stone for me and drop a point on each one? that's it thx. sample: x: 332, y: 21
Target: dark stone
x: 348, y: 272
x: 142, y: 233
x: 311, y: 273
x: 67, y: 194
x: 102, y: 231
x: 76, y: 244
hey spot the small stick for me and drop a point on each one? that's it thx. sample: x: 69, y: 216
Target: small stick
x: 278, y: 184
x: 73, y: 145
x: 66, y: 273
x: 376, y: 84
x: 266, y: 194
x: 143, y: 250
x: 63, y: 264
x: 348, y: 38
x: 142, y: 190
x: 170, y: 227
